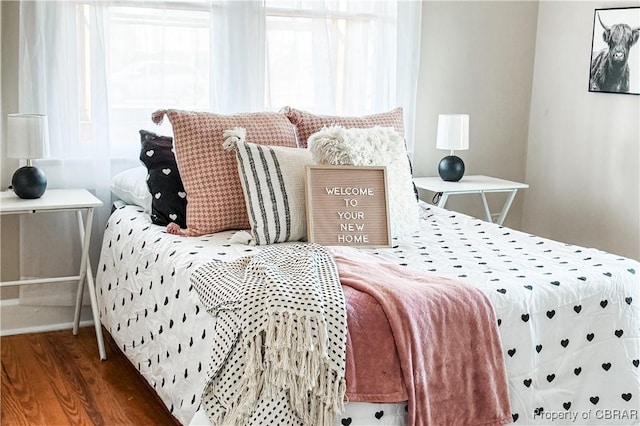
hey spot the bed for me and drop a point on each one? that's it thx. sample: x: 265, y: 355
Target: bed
x: 566, y: 318
x: 566, y: 345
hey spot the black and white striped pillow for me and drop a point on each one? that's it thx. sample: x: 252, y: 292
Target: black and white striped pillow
x: 272, y: 180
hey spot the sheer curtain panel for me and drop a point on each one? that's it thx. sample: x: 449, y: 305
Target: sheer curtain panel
x: 98, y: 69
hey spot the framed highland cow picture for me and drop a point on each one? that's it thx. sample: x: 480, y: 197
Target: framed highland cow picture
x: 615, y: 51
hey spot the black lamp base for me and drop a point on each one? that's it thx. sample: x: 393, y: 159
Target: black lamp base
x: 451, y: 168
x: 29, y: 182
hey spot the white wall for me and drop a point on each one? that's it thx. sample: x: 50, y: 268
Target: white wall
x: 477, y: 58
x: 8, y: 81
x: 584, y: 148
x: 9, y: 236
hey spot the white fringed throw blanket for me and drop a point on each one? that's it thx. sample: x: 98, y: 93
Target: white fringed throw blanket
x: 279, y: 343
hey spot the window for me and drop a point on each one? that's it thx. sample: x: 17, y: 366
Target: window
x: 154, y: 58
x: 324, y: 55
x: 158, y: 57
x: 99, y: 69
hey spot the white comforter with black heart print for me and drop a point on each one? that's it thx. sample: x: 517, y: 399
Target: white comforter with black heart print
x: 569, y: 317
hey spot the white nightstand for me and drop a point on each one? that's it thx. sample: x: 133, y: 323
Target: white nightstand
x: 66, y: 200
x: 473, y: 185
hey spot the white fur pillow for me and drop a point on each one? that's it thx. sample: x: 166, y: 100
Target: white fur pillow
x: 376, y: 146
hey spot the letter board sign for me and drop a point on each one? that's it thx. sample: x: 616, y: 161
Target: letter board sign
x: 347, y: 206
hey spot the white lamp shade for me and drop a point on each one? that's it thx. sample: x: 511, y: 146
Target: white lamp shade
x: 27, y: 136
x: 453, y: 132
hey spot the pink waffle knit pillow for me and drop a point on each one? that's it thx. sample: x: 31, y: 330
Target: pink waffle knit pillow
x: 307, y: 123
x: 215, y: 201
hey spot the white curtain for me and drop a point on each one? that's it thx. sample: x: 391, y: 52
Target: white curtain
x: 99, y: 68
x: 50, y: 72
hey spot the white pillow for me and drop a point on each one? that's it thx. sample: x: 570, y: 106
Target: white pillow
x: 375, y: 146
x: 272, y: 179
x: 131, y: 187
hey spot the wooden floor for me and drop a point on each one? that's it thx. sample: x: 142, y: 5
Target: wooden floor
x: 57, y: 379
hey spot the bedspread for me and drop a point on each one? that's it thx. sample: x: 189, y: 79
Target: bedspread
x: 569, y: 316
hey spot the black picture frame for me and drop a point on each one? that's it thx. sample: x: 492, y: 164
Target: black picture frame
x: 613, y: 29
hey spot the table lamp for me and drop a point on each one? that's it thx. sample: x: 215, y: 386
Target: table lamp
x: 453, y: 134
x: 28, y: 139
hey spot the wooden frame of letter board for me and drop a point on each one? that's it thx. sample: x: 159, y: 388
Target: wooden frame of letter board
x: 323, y: 222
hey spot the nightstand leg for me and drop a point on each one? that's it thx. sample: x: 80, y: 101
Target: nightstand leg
x: 76, y: 317
x: 96, y: 314
x: 487, y: 212
x: 87, y: 274
x: 443, y: 200
x: 84, y: 236
x: 506, y: 207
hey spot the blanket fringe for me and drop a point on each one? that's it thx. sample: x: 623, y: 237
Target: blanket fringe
x: 290, y: 355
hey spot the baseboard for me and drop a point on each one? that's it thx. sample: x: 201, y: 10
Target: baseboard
x: 22, y: 319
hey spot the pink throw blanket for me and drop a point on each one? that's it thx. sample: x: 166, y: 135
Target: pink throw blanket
x: 435, y: 340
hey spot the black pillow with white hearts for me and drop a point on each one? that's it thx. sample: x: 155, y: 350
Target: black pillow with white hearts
x: 169, y: 199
